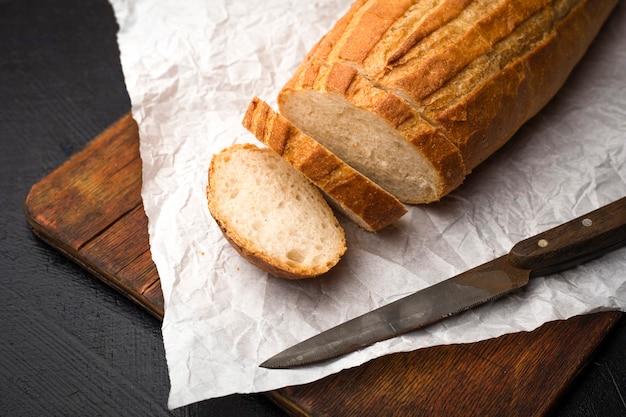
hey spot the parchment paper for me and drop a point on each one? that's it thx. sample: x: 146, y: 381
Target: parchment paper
x: 191, y: 68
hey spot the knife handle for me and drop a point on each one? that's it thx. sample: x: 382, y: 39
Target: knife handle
x: 574, y: 242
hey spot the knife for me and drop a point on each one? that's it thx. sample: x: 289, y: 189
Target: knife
x: 572, y: 243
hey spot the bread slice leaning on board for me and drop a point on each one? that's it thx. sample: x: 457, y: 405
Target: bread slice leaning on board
x: 271, y: 214
x: 416, y: 94
x: 353, y: 194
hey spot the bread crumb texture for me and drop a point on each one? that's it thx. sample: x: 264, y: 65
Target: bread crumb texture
x: 272, y: 214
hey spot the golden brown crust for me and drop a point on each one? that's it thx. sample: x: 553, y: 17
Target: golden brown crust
x: 339, y: 78
x: 374, y: 19
x: 458, y: 75
x: 373, y: 207
x: 430, y: 64
x: 426, y: 24
x: 486, y: 118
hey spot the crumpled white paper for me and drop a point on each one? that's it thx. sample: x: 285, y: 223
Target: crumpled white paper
x: 191, y: 69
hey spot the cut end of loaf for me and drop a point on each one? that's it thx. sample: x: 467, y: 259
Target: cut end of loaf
x: 271, y: 214
x: 366, y: 142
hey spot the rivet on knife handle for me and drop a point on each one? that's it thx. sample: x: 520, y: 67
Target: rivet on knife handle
x: 574, y: 242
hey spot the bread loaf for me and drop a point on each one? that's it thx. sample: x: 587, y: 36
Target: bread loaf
x: 271, y: 214
x: 356, y: 196
x: 416, y: 94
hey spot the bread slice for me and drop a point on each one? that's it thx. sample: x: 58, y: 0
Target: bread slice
x: 356, y: 196
x: 416, y: 93
x: 271, y: 214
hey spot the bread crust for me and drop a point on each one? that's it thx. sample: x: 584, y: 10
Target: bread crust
x: 455, y: 78
x: 485, y: 118
x: 359, y: 198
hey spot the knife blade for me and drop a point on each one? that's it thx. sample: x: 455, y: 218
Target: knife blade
x: 572, y: 243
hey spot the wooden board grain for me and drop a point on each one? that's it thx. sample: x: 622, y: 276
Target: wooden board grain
x: 90, y: 209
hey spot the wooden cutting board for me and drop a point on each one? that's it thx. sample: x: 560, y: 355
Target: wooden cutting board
x: 90, y: 209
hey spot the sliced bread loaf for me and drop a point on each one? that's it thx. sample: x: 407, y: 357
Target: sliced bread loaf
x: 360, y: 199
x: 415, y: 94
x: 271, y: 214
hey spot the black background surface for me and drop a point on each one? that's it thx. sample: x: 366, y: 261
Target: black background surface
x: 69, y: 345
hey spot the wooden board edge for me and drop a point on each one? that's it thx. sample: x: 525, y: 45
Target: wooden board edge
x: 46, y: 232
x: 49, y: 238
x: 283, y: 402
x: 609, y: 321
x: 297, y: 407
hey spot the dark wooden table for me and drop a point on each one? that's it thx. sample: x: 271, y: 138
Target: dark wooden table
x: 70, y: 345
